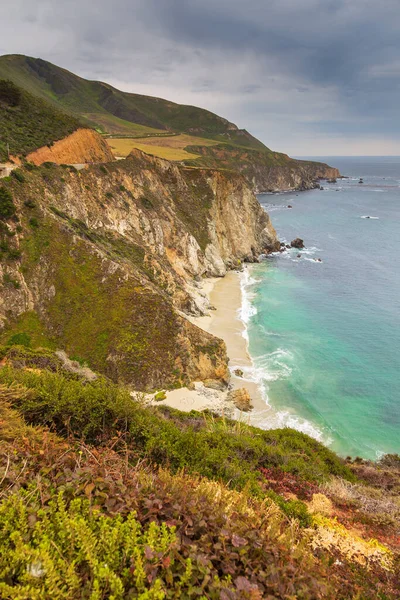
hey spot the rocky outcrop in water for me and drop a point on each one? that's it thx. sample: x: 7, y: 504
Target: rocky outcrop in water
x: 297, y: 243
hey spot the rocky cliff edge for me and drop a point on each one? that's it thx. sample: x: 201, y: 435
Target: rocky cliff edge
x: 105, y: 262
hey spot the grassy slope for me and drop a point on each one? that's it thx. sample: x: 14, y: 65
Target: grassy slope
x: 170, y: 147
x: 107, y: 509
x: 29, y: 123
x: 115, y: 111
x: 128, y: 317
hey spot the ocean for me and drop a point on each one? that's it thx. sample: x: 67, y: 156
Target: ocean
x: 325, y: 336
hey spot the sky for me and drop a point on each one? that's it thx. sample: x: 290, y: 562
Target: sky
x: 307, y: 77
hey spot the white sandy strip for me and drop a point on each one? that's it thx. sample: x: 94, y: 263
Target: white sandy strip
x: 225, y: 295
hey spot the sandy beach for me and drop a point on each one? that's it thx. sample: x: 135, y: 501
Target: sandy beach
x: 225, y: 297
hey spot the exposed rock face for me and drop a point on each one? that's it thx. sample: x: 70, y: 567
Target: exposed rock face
x: 295, y: 175
x: 82, y: 146
x: 109, y: 261
x: 265, y: 171
x: 297, y: 243
x: 241, y: 399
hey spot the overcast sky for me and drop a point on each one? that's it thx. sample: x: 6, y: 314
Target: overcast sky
x: 307, y: 77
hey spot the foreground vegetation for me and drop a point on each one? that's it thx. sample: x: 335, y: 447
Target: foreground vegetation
x: 103, y: 496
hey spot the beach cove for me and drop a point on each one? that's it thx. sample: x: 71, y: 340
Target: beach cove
x: 224, y: 320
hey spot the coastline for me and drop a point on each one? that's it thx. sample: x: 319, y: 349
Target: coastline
x: 223, y: 320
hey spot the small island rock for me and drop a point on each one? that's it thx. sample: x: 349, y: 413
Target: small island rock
x: 297, y: 243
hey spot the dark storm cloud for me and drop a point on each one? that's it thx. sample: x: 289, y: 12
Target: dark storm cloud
x: 301, y: 74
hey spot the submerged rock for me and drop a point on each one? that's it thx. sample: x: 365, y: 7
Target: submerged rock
x: 241, y: 399
x: 297, y: 243
x: 238, y: 372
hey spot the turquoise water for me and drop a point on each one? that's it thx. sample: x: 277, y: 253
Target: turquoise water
x: 325, y: 336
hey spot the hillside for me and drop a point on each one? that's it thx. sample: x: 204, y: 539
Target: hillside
x: 122, y: 244
x: 27, y: 122
x: 210, y: 139
x: 105, y: 497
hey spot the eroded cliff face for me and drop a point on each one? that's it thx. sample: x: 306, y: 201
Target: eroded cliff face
x: 265, y: 171
x: 103, y: 263
x: 82, y: 146
x: 296, y: 175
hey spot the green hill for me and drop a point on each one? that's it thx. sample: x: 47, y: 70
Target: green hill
x: 27, y: 122
x: 136, y: 118
x: 113, y: 111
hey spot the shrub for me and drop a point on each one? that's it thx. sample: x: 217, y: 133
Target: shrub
x: 33, y: 222
x: 14, y: 254
x: 97, y: 410
x: 19, y: 339
x: 103, y: 169
x: 8, y: 280
x: 18, y: 175
x: 7, y: 207
x: 9, y: 93
x: 73, y: 551
x: 160, y: 396
x: 29, y: 204
x: 30, y: 166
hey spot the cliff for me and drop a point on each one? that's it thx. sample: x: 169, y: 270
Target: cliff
x: 265, y: 171
x: 104, y: 262
x: 82, y: 146
x: 113, y: 111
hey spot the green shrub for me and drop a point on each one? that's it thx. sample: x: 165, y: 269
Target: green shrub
x: 14, y: 254
x: 33, y: 222
x: 30, y: 204
x: 103, y: 169
x: 7, y: 207
x: 109, y: 195
x: 160, y: 396
x: 30, y: 166
x: 19, y: 339
x: 72, y: 551
x: 211, y: 446
x: 18, y: 175
x: 8, y: 280
x: 9, y: 93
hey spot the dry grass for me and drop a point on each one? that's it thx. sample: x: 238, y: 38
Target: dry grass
x: 170, y: 147
x: 369, y: 500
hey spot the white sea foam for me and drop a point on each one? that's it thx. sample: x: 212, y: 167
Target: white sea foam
x: 286, y: 419
x: 247, y: 309
x: 270, y: 367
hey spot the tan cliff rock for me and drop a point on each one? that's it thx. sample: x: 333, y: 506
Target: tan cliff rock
x: 110, y: 261
x: 82, y: 146
x: 265, y: 171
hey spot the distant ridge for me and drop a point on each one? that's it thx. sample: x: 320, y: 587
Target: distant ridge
x: 112, y: 112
